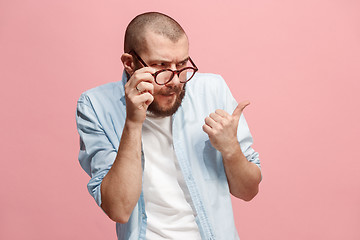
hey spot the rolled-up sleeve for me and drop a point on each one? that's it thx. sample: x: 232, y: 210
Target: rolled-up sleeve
x: 97, y: 153
x: 245, y: 139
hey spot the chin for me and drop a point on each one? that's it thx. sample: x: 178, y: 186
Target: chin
x: 162, y: 111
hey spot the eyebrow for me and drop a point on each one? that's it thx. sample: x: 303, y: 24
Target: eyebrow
x: 185, y: 60
x: 169, y: 62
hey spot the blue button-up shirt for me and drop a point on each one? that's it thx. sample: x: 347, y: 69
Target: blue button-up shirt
x: 101, y: 114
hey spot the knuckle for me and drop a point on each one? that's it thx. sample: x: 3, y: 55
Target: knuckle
x: 221, y: 123
x: 127, y: 91
x: 136, y: 74
x: 220, y: 112
x: 151, y: 87
x: 133, y: 76
x: 148, y: 96
x: 140, y: 85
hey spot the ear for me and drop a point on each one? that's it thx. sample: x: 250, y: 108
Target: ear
x: 127, y: 60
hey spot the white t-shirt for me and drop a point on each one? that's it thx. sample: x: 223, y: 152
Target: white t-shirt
x: 168, y: 206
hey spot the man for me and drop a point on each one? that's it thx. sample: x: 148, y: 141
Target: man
x: 163, y: 152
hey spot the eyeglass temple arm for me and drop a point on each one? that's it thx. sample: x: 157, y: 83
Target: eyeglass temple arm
x: 193, y: 63
x: 138, y: 58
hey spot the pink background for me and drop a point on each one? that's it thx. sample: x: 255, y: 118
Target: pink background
x: 298, y: 62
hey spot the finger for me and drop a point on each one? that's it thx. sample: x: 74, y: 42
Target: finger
x: 239, y: 109
x: 143, y: 99
x: 149, y: 99
x: 131, y: 85
x: 207, y: 129
x: 140, y: 77
x: 216, y: 117
x: 222, y: 113
x: 146, y: 98
x: 145, y: 87
x: 210, y: 122
x: 143, y: 74
x: 145, y: 70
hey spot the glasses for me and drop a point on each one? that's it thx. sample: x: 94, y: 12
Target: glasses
x: 164, y: 76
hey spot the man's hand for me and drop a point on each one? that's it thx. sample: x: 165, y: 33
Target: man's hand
x: 222, y: 128
x: 243, y: 176
x: 139, y: 92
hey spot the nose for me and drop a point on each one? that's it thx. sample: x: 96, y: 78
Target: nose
x: 175, y: 80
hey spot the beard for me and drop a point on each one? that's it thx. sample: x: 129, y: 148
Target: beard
x: 168, y: 110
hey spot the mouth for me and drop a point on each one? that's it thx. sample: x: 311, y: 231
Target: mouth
x: 168, y: 94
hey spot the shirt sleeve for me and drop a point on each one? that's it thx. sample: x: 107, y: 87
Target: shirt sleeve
x: 97, y: 153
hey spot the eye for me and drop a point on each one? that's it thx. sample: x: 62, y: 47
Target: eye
x: 159, y: 65
x: 182, y: 64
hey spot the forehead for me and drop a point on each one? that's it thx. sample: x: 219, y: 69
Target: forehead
x: 161, y: 47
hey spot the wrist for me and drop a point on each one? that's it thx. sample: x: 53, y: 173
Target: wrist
x: 133, y: 125
x: 233, y: 151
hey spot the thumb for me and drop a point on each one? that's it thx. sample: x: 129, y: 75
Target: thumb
x: 239, y: 109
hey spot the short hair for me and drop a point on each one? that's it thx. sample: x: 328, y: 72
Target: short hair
x: 155, y: 22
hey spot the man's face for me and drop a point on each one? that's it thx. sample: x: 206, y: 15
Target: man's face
x: 162, y: 53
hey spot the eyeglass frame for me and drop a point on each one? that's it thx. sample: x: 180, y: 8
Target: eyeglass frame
x: 177, y: 72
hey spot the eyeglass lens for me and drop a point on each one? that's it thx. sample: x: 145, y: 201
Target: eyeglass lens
x: 166, y: 75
